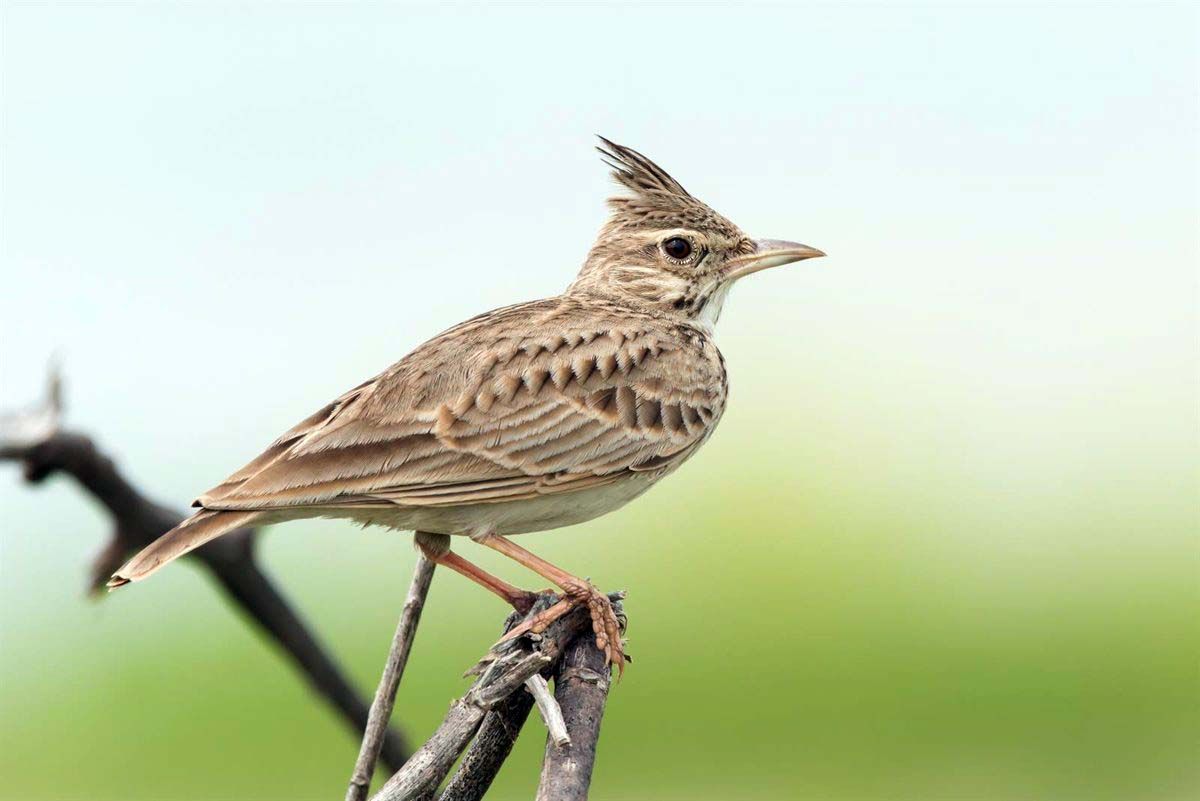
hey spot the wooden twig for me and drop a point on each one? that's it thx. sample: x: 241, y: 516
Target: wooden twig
x: 393, y: 671
x: 581, y: 683
x: 33, y: 438
x: 497, y: 734
x: 491, y: 746
x: 502, y: 672
x: 552, y: 715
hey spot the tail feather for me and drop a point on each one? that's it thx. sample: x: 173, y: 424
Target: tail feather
x: 198, y: 529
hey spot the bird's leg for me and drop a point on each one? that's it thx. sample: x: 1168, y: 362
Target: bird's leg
x: 578, y: 591
x: 436, y: 548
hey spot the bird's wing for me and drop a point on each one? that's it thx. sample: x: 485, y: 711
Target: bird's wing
x: 498, y: 409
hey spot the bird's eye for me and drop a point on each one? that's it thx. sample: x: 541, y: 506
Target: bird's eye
x: 677, y: 248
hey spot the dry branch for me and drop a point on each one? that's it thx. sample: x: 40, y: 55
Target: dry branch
x: 34, y: 439
x: 492, y: 744
x: 393, y: 671
x: 502, y: 673
x: 496, y: 736
x: 581, y: 682
x: 552, y: 716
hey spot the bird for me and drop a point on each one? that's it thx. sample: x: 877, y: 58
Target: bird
x: 530, y: 417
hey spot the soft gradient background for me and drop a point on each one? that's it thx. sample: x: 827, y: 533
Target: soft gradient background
x: 944, y: 545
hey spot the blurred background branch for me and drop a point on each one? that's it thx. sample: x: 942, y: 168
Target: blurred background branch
x: 34, y: 438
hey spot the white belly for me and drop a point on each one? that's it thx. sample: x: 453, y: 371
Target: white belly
x: 512, y: 517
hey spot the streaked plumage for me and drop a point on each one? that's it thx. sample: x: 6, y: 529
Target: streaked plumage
x: 529, y: 417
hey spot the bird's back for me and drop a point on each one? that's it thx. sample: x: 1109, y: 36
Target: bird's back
x: 539, y: 399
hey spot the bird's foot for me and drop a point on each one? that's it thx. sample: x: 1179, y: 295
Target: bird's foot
x: 606, y: 627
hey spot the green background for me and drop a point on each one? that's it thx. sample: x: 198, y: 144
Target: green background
x: 944, y: 543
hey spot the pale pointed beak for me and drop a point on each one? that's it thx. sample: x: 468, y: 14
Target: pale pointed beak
x: 769, y: 253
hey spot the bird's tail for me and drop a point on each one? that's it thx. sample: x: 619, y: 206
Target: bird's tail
x: 198, y: 529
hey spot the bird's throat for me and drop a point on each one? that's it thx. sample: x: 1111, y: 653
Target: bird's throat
x: 710, y: 311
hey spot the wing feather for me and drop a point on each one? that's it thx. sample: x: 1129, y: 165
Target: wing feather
x: 495, y: 410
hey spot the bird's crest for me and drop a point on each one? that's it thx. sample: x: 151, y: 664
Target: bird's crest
x: 655, y: 199
x: 637, y: 173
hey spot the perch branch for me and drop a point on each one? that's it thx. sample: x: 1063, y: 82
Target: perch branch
x: 34, y: 439
x: 501, y: 673
x: 581, y: 683
x: 496, y: 736
x: 393, y: 671
x: 492, y: 744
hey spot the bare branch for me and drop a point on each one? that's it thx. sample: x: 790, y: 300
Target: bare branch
x: 28, y: 427
x: 393, y: 671
x: 491, y: 746
x: 581, y: 684
x: 496, y: 736
x: 502, y: 672
x: 34, y: 439
x: 548, y: 707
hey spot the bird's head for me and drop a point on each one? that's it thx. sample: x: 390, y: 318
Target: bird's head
x: 664, y: 248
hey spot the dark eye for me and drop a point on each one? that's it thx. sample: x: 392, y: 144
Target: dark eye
x: 677, y: 248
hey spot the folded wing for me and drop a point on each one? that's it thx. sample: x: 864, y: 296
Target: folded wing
x: 494, y: 411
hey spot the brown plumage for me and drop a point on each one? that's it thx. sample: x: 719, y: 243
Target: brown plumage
x: 526, y: 418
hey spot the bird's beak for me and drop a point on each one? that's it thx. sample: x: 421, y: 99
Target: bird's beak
x: 769, y: 253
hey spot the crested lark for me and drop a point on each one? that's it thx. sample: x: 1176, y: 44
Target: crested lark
x: 526, y: 418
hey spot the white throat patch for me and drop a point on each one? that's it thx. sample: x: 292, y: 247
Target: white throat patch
x: 712, y: 309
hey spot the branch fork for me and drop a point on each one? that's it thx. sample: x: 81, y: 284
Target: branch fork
x: 489, y: 715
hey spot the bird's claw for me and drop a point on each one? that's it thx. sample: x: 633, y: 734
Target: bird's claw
x: 606, y: 624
